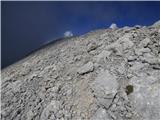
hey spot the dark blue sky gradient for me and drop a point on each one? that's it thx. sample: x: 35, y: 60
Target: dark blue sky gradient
x: 28, y: 25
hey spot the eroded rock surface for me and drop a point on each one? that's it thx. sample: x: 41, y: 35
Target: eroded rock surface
x: 109, y: 74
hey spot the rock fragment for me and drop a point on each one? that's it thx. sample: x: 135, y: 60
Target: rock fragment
x: 141, y: 51
x: 103, y: 55
x: 122, y: 44
x: 144, y: 42
x: 50, y: 111
x: 100, y: 114
x: 125, y: 42
x: 92, y: 46
x: 88, y: 67
x: 151, y: 59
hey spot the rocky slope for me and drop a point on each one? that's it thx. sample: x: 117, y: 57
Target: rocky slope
x: 109, y: 74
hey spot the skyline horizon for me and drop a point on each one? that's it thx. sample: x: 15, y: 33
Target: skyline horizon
x: 28, y: 25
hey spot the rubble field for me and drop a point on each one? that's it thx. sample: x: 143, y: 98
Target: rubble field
x: 107, y: 74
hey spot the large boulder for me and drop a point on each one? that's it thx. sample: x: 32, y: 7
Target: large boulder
x: 105, y: 88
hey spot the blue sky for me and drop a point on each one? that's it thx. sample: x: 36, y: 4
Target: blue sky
x: 28, y: 25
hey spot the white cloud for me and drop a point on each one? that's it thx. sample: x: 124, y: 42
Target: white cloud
x: 113, y: 26
x: 68, y: 34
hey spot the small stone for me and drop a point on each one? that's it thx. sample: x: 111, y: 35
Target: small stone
x: 113, y: 107
x: 150, y: 59
x: 103, y: 55
x: 121, y: 108
x: 92, y: 46
x: 68, y: 78
x: 119, y: 103
x: 112, y: 115
x: 116, y: 99
x: 141, y: 51
x: 100, y: 114
x: 51, y: 108
x: 131, y: 58
x: 122, y: 43
x: 30, y: 115
x: 129, y: 75
x: 115, y: 48
x: 128, y: 115
x: 126, y: 43
x: 144, y: 42
x: 77, y: 58
x: 89, y: 67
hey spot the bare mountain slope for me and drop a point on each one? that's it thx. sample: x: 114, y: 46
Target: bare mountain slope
x: 110, y: 74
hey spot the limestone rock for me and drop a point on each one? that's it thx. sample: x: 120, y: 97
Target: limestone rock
x: 125, y: 42
x: 105, y: 84
x: 101, y: 114
x: 105, y: 87
x: 50, y: 111
x: 92, y: 46
x: 88, y: 67
x: 103, y: 55
x: 144, y: 42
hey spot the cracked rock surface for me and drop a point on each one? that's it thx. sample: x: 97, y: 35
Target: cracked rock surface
x: 108, y: 74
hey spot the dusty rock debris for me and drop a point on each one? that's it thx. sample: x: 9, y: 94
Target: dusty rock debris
x: 107, y: 74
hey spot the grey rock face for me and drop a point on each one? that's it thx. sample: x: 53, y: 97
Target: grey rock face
x: 109, y: 74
